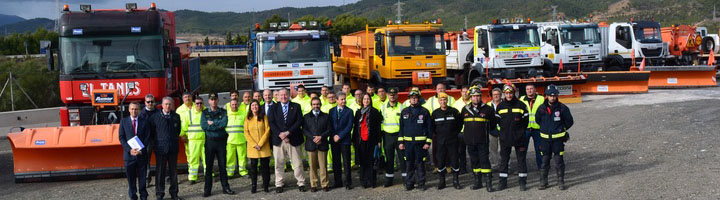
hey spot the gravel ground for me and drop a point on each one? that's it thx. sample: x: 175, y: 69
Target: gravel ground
x: 660, y: 145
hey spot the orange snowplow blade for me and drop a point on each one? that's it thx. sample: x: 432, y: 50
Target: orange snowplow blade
x: 567, y: 84
x: 615, y: 82
x: 681, y: 76
x: 70, y: 153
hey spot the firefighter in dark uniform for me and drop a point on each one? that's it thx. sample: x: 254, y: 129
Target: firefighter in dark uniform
x: 446, y: 130
x: 554, y: 119
x: 479, y: 120
x: 513, y: 120
x: 415, y: 139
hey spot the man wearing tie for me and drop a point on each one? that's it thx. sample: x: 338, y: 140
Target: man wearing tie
x: 166, y: 125
x: 285, y: 118
x: 136, y: 159
x: 268, y: 99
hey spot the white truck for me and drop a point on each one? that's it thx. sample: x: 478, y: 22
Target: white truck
x: 290, y: 55
x: 507, y: 50
x: 642, y: 37
x: 570, y: 43
x: 710, y: 42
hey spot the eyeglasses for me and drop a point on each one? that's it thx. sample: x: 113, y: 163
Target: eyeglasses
x: 149, y: 101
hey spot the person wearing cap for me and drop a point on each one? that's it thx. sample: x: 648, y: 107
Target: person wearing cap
x: 303, y: 99
x: 390, y: 127
x: 447, y: 125
x: 479, y: 119
x: 431, y: 105
x: 214, y: 121
x: 513, y: 120
x: 532, y: 101
x: 462, y: 148
x: 554, y: 119
x: 415, y: 138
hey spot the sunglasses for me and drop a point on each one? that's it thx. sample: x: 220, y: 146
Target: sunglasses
x: 149, y: 101
x: 198, y: 103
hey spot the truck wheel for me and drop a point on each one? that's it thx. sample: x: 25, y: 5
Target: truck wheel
x: 548, y: 70
x: 614, y: 64
x: 708, y: 45
x: 481, y: 81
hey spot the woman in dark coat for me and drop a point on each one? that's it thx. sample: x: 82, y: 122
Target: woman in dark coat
x: 366, y: 137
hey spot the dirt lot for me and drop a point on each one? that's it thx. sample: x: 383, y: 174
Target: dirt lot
x: 660, y: 145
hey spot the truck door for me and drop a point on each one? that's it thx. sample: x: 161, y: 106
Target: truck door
x: 623, y: 36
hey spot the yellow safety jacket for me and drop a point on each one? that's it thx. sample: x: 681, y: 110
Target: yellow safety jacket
x: 304, y: 103
x: 190, y: 120
x: 391, y: 117
x: 327, y: 106
x: 236, y: 121
x: 539, y: 100
x: 433, y: 103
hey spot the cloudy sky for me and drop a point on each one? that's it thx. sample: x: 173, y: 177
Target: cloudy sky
x: 47, y: 8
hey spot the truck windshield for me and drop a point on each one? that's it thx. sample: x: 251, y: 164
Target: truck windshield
x: 580, y: 35
x: 294, y: 50
x: 509, y: 38
x: 423, y: 44
x: 647, y: 34
x: 94, y: 55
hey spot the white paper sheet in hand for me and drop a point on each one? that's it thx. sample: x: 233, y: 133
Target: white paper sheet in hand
x: 135, y: 143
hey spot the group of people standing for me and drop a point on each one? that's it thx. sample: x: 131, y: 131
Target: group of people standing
x: 335, y: 131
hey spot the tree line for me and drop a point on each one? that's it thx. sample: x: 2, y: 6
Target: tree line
x: 16, y: 43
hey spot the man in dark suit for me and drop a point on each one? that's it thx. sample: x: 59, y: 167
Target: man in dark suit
x: 316, y: 127
x: 146, y: 113
x: 268, y: 99
x: 166, y: 125
x: 285, y: 118
x: 136, y: 159
x: 341, y: 118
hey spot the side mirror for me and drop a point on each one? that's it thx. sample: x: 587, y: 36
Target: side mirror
x: 336, y: 49
x: 50, y: 60
x: 250, y: 53
x: 175, y: 56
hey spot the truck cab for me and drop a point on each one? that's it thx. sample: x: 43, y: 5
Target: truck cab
x: 131, y: 51
x: 297, y: 55
x: 507, y: 50
x: 571, y: 43
x: 642, y: 37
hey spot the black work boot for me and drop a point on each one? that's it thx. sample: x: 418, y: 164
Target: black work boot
x: 543, y: 180
x: 561, y: 179
x: 441, y: 181
x: 478, y: 181
x: 503, y: 183
x: 488, y: 182
x: 522, y: 181
x: 388, y: 182
x: 456, y: 180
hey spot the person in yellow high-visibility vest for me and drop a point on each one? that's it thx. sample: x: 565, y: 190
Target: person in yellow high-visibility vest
x: 329, y: 104
x: 183, y: 112
x: 303, y: 99
x: 234, y: 95
x: 190, y: 126
x: 324, y: 91
x: 380, y: 99
x: 390, y: 127
x: 236, y: 143
x: 532, y: 102
x: 348, y: 93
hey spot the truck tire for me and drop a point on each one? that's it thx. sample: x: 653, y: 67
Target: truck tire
x: 481, y: 81
x: 548, y: 69
x: 708, y: 45
x: 614, y: 64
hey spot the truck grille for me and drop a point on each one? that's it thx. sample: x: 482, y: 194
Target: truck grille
x: 407, y: 73
x: 518, y: 61
x: 284, y: 83
x: 652, y: 53
x: 585, y: 58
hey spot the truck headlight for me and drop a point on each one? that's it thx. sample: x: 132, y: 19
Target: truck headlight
x: 74, y: 116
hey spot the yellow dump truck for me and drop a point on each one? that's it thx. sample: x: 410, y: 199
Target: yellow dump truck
x: 396, y: 55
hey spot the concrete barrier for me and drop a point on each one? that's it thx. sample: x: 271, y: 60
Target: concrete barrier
x: 43, y: 117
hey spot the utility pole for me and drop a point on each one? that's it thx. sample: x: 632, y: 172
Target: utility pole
x: 10, y: 81
x: 399, y: 12
x: 12, y: 96
x: 465, y: 26
x: 554, y: 13
x: 714, y: 16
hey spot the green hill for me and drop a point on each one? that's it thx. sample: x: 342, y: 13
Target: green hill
x: 29, y: 25
x: 453, y: 12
